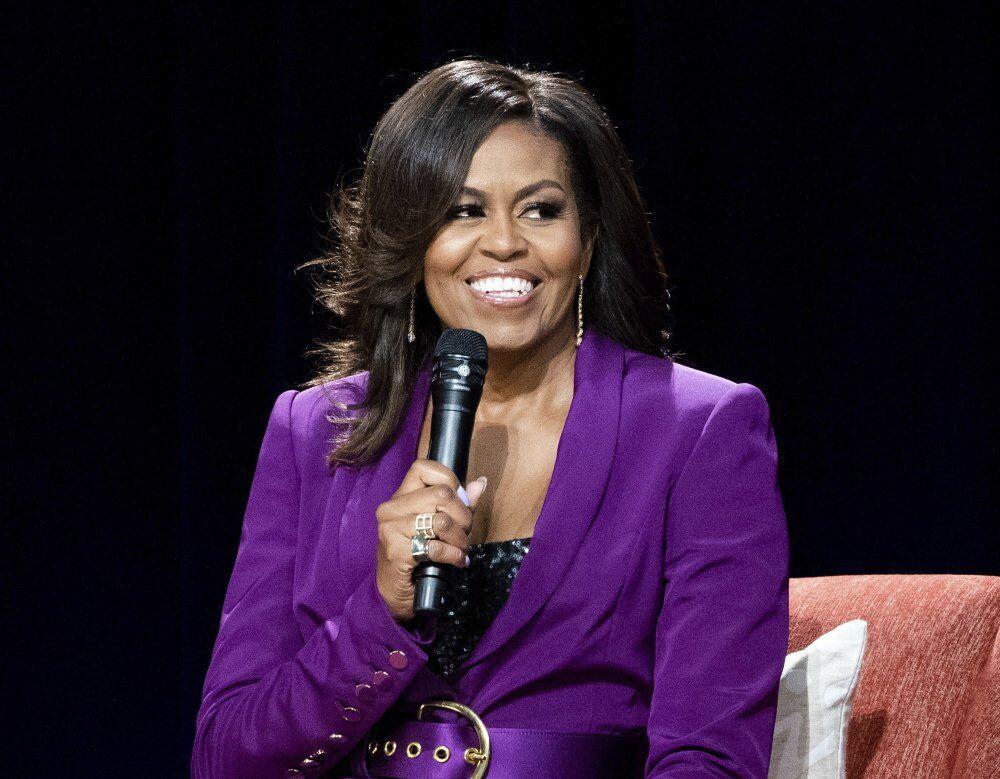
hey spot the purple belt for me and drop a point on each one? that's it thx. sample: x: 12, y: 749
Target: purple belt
x: 422, y: 749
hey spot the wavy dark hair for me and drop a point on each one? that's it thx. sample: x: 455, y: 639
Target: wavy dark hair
x: 416, y: 162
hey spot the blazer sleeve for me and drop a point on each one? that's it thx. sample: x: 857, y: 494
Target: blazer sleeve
x: 270, y: 700
x: 722, y: 633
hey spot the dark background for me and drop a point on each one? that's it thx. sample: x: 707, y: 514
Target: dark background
x: 816, y: 178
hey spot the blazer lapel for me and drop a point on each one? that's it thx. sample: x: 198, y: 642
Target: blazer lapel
x: 583, y: 464
x: 579, y: 477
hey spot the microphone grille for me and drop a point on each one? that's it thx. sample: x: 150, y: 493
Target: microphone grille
x: 457, y: 340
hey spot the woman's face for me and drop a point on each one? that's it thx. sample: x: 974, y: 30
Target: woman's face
x: 516, y: 214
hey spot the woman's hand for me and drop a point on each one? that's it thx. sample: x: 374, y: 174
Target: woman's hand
x: 428, y: 488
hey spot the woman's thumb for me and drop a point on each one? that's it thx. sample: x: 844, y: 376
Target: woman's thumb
x: 476, y: 490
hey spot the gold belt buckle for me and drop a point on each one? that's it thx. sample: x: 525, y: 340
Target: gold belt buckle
x: 480, y: 758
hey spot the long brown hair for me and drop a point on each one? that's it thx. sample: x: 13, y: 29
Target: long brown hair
x: 416, y: 163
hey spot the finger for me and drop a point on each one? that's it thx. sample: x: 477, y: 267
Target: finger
x: 438, y: 550
x: 427, y: 473
x: 428, y: 500
x: 456, y: 509
x: 447, y: 529
x: 400, y: 515
x: 475, y: 491
x: 448, y: 554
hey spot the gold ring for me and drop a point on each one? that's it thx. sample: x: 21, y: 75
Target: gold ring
x: 424, y: 526
x: 480, y: 758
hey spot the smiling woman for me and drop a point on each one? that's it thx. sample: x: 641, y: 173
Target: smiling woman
x: 481, y: 172
x: 618, y: 595
x: 516, y: 249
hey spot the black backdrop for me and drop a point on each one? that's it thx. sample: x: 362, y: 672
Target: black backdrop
x: 815, y: 176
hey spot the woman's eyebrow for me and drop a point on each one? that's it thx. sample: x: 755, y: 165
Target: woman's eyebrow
x: 523, y: 192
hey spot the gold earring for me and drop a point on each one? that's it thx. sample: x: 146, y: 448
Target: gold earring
x: 411, y: 334
x: 579, y: 313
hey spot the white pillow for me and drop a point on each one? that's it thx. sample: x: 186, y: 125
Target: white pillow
x: 814, y: 705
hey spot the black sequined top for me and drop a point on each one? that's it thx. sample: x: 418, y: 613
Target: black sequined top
x: 477, y: 594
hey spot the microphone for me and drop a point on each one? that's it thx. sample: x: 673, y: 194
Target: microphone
x: 460, y: 363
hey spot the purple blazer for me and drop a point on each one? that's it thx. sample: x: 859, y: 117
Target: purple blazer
x: 653, y: 599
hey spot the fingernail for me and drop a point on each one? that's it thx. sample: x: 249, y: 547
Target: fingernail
x: 468, y: 562
x: 462, y: 494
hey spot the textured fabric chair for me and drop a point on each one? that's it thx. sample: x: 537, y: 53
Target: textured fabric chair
x: 927, y: 702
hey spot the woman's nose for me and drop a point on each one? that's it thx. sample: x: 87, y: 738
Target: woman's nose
x: 500, y: 237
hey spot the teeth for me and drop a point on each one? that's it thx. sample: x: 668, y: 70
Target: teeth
x: 505, y: 286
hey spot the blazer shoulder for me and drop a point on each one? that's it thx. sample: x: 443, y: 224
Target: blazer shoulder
x: 681, y: 387
x: 686, y: 397
x: 315, y: 409
x: 321, y: 400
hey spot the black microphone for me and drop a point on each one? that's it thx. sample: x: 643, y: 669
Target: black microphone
x: 460, y: 362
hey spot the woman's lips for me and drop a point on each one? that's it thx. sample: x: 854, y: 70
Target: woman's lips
x: 504, y: 302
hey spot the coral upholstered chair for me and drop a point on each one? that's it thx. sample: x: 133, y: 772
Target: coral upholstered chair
x: 927, y: 703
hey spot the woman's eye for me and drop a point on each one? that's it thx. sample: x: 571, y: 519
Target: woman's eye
x: 459, y: 211
x: 547, y: 210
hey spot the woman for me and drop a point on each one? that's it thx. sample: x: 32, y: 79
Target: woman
x: 631, y: 501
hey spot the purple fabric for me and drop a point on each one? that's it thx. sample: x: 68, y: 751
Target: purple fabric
x: 515, y: 753
x: 653, y: 600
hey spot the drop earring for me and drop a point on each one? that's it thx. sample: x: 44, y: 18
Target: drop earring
x: 579, y: 313
x: 411, y: 334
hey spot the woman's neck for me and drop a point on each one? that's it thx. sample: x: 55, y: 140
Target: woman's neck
x: 529, y: 381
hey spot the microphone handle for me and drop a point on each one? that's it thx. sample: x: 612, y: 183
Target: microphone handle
x: 451, y: 436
